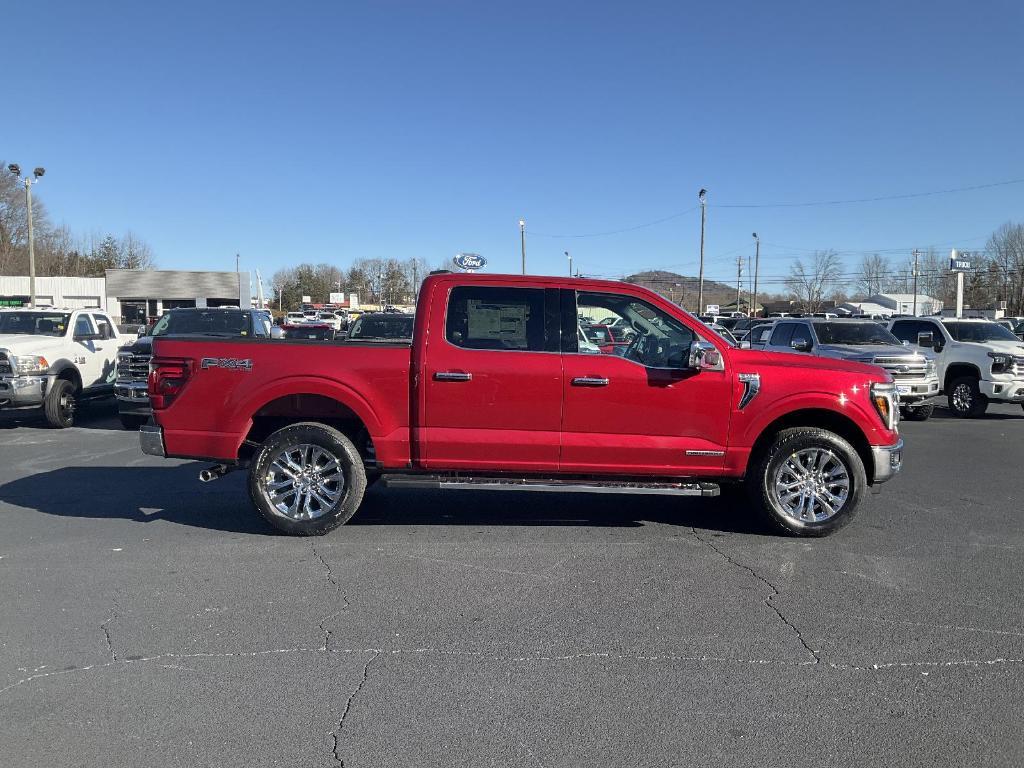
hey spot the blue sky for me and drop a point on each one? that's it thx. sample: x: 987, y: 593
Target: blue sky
x: 328, y: 131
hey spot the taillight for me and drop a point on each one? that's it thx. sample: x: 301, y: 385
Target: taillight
x: 167, y: 378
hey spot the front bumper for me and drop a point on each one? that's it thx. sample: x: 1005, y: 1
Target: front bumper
x: 888, y: 461
x: 151, y: 440
x: 132, y: 398
x: 912, y: 390
x: 23, y: 391
x: 1008, y: 390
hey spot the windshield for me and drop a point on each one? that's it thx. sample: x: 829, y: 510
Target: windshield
x: 34, y: 323
x: 853, y: 333
x: 390, y: 326
x: 198, y: 322
x: 980, y: 332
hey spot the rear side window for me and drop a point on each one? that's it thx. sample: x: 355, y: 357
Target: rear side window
x: 782, y: 334
x: 82, y: 326
x: 103, y: 327
x: 482, y: 317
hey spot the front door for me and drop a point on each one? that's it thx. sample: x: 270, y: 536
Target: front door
x: 642, y: 411
x: 89, y: 352
x: 492, y: 383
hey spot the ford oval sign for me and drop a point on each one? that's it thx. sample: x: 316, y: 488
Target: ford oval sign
x: 469, y: 261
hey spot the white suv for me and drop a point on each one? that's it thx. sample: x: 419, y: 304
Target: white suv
x: 978, y: 361
x: 55, y: 358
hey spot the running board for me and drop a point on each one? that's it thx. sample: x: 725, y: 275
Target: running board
x: 558, y: 486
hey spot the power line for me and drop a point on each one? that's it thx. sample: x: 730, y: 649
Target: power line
x: 627, y: 229
x: 877, y: 199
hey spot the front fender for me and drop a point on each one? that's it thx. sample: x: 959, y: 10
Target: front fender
x: 854, y: 406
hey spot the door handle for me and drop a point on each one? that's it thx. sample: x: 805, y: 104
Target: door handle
x: 589, y: 381
x: 452, y: 376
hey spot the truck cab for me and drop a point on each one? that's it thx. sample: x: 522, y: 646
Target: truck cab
x: 865, y: 341
x: 53, y: 359
x: 978, y: 361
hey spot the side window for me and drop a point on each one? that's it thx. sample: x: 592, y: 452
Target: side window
x: 907, y: 330
x: 83, y: 326
x: 801, y: 332
x: 482, y: 317
x: 103, y: 327
x: 781, y: 335
x: 616, y: 324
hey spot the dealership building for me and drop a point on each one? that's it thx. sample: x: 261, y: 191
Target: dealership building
x: 132, y: 295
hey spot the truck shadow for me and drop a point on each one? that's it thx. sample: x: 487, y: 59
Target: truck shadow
x: 99, y: 414
x: 173, y: 494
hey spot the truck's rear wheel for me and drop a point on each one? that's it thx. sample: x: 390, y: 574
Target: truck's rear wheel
x: 59, y: 405
x: 809, y: 482
x: 917, y: 412
x: 965, y: 398
x: 307, y: 479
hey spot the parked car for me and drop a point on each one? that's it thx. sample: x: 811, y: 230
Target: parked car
x: 742, y: 327
x: 724, y: 332
x: 1019, y: 331
x: 978, y: 361
x: 758, y: 336
x: 133, y: 406
x: 331, y: 319
x: 55, y: 359
x: 294, y: 317
x: 309, y: 331
x: 382, y: 326
x: 492, y: 393
x: 867, y: 342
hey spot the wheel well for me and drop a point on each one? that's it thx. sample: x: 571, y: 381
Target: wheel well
x: 834, y: 422
x: 71, y: 374
x: 292, y: 409
x: 957, y: 370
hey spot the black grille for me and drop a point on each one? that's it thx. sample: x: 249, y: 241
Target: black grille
x: 132, y: 367
x: 5, y: 365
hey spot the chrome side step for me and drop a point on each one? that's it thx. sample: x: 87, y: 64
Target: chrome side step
x: 557, y: 486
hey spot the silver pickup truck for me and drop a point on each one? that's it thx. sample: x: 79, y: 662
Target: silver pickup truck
x: 864, y: 341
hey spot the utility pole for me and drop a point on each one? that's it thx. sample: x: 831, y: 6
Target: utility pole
x: 237, y: 257
x: 415, y: 282
x: 569, y: 257
x: 703, y: 215
x: 37, y: 174
x: 522, y: 241
x: 757, y: 270
x: 917, y: 253
x: 739, y: 279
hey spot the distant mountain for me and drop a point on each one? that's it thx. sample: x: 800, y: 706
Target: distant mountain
x: 682, y: 289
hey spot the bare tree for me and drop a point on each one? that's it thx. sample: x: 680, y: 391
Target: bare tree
x: 1006, y: 250
x: 872, y: 275
x: 810, y: 283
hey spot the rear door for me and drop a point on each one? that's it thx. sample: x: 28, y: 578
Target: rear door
x: 492, y: 380
x: 639, y: 410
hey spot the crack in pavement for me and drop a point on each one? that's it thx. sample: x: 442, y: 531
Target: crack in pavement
x: 536, y: 658
x: 769, y: 601
x: 337, y: 587
x: 348, y: 705
x: 105, y: 627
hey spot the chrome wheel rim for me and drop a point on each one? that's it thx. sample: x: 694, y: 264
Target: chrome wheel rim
x: 303, y: 482
x: 962, y: 397
x: 811, y: 485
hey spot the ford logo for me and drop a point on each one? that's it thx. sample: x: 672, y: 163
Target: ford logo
x: 469, y: 261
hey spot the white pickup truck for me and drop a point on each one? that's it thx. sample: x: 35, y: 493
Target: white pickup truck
x: 54, y: 359
x: 978, y: 361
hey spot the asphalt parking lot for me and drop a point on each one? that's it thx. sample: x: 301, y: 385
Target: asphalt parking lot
x: 151, y: 620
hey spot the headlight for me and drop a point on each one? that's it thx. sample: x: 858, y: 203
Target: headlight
x: 883, y: 397
x: 1001, y: 362
x: 929, y: 367
x: 24, y: 365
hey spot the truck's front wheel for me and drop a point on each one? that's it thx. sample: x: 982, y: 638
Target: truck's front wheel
x: 59, y: 405
x: 809, y: 482
x: 307, y: 479
x: 965, y: 398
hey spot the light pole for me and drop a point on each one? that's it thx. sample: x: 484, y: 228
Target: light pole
x: 37, y: 174
x: 703, y: 215
x: 757, y: 270
x: 916, y: 254
x: 522, y: 241
x: 569, y: 257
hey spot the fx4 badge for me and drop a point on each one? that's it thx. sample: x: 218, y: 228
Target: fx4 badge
x: 226, y: 362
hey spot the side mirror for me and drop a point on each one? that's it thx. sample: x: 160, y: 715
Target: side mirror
x: 276, y: 332
x: 926, y: 339
x: 800, y: 345
x: 703, y: 356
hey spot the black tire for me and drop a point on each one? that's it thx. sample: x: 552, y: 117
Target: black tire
x: 762, y: 479
x: 59, y: 405
x: 965, y: 399
x: 132, y: 422
x: 350, y: 486
x: 917, y: 412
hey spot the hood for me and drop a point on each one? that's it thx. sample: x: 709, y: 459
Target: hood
x: 808, y: 362
x: 867, y: 352
x: 141, y: 346
x: 23, y: 344
x: 997, y: 345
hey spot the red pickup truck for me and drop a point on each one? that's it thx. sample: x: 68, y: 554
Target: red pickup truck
x: 495, y: 391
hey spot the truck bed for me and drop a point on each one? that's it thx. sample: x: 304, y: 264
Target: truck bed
x: 250, y: 384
